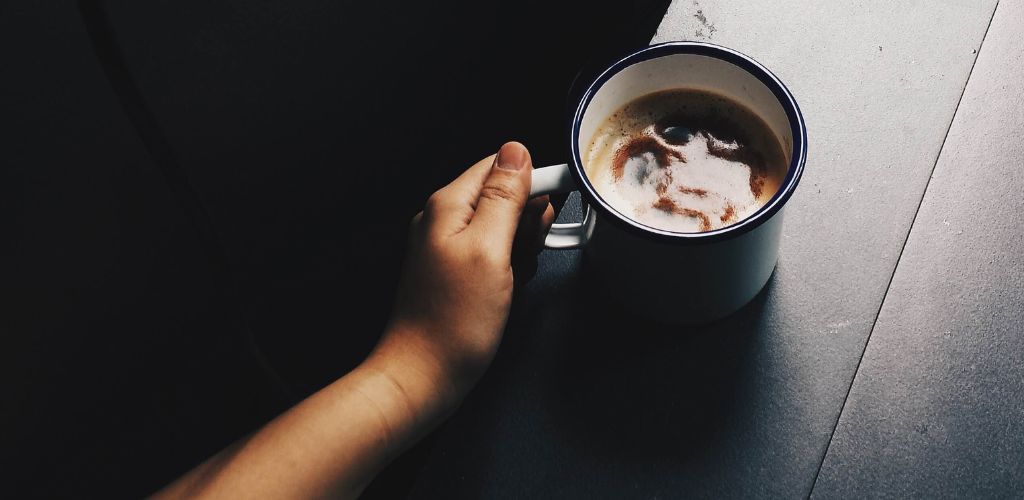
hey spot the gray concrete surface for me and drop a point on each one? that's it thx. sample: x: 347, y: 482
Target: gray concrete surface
x: 937, y: 408
x: 586, y: 402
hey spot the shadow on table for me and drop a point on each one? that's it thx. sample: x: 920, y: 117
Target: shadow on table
x: 634, y: 389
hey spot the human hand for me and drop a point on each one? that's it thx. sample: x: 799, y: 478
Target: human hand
x: 474, y: 238
x: 452, y: 304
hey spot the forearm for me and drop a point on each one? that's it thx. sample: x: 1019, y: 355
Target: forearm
x: 334, y: 442
x: 452, y: 305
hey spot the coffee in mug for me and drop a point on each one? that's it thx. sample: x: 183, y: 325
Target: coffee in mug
x: 685, y: 160
x: 684, y: 154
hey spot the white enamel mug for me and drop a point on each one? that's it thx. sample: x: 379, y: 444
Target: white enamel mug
x: 680, y: 278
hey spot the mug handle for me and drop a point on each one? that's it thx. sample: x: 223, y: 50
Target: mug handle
x: 558, y: 179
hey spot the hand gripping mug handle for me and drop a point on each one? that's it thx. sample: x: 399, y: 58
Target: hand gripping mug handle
x: 558, y: 179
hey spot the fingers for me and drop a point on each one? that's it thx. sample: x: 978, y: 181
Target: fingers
x: 493, y: 192
x: 547, y: 218
x: 450, y: 209
x: 468, y: 184
x: 503, y: 196
x: 533, y: 227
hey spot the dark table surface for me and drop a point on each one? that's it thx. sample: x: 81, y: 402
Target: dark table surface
x: 187, y: 194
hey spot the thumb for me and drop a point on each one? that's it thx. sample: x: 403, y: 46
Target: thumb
x: 503, y: 196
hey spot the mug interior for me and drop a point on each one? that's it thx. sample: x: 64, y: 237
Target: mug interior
x: 683, y: 67
x: 689, y: 71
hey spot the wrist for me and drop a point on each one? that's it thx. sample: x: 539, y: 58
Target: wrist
x: 430, y: 382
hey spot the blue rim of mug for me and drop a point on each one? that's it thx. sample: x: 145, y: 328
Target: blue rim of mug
x: 744, y: 62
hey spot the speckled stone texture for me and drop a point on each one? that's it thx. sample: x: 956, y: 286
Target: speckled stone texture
x: 937, y: 408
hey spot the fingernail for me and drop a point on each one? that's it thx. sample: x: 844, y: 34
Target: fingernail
x: 511, y: 156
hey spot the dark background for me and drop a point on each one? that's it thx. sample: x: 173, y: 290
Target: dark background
x: 203, y: 204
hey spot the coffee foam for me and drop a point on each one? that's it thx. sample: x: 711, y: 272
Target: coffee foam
x: 697, y: 182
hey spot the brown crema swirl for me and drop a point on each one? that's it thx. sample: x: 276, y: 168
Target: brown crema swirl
x: 699, y: 159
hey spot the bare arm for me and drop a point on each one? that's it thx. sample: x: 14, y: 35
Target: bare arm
x: 447, y: 323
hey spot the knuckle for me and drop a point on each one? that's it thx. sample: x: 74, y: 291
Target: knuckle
x: 500, y: 191
x: 434, y: 202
